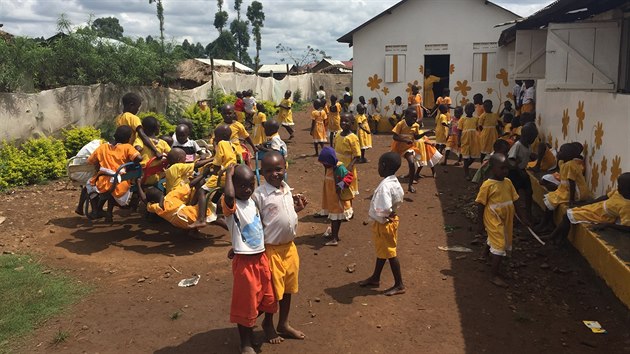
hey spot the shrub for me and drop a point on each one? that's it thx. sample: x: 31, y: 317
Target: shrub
x: 270, y: 108
x: 47, y: 155
x: 12, y: 165
x: 107, y: 129
x: 204, y: 120
x: 297, y: 96
x: 75, y: 138
x: 166, y: 127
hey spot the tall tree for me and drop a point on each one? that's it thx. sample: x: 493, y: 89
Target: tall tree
x: 223, y: 47
x: 160, y: 16
x: 240, y: 31
x: 308, y: 55
x: 256, y: 17
x: 221, y: 17
x: 108, y: 27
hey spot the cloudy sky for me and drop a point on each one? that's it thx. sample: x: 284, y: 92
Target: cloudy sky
x: 295, y: 23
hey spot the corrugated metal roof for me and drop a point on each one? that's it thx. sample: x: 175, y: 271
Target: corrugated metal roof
x: 276, y: 68
x: 223, y: 62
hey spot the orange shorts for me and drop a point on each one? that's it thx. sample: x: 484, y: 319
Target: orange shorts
x: 252, y: 291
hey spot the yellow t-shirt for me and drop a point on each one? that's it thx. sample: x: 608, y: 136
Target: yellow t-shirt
x: 334, y: 118
x: 132, y: 121
x: 225, y: 155
x: 441, y: 132
x: 286, y: 115
x: 178, y: 174
x: 238, y: 132
x: 618, y: 207
x: 570, y: 170
x: 147, y: 154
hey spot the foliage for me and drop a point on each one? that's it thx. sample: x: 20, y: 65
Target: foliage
x: 221, y: 17
x: 191, y: 51
x: 31, y: 294
x: 270, y: 108
x: 218, y: 98
x: 239, y: 29
x: 204, y: 120
x: 160, y: 16
x: 107, y: 128
x: 166, y: 127
x: 75, y: 138
x: 35, y: 161
x: 309, y: 55
x: 108, y: 27
x: 256, y: 17
x: 21, y: 61
x: 224, y: 47
x: 297, y: 96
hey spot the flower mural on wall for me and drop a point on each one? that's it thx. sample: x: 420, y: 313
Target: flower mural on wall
x: 421, y: 69
x: 585, y: 153
x: 510, y: 96
x: 555, y: 144
x: 451, y: 69
x: 385, y: 90
x: 503, y: 76
x: 604, y: 163
x: 539, y: 121
x: 490, y: 91
x: 565, y: 123
x: 549, y: 138
x: 392, y: 102
x: 615, y: 170
x: 464, y: 101
x: 579, y: 113
x: 374, y: 82
x: 594, y: 177
x: 462, y: 87
x: 410, y: 84
x: 599, y: 134
x: 386, y: 108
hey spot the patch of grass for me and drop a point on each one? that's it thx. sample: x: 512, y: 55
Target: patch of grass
x: 176, y: 315
x: 31, y: 295
x: 60, y: 337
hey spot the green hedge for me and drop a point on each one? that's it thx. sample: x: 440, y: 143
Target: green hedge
x: 34, y: 161
x: 75, y: 138
x: 166, y: 127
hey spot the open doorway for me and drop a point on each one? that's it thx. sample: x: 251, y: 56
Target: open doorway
x: 438, y: 66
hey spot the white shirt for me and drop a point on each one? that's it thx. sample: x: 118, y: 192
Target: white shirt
x: 248, y: 104
x: 516, y: 91
x: 321, y: 94
x: 528, y: 96
x: 371, y: 110
x: 190, y: 147
x: 387, y: 197
x: 246, y: 228
x: 398, y: 109
x: 279, y: 145
x: 277, y: 213
x: 521, y: 154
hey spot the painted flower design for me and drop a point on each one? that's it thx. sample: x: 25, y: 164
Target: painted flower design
x: 555, y: 144
x: 451, y: 70
x: 464, y: 101
x: 374, y: 82
x: 594, y: 177
x: 510, y: 96
x: 421, y: 69
x: 385, y: 90
x: 565, y: 123
x: 392, y: 102
x: 489, y: 90
x: 503, y: 76
x: 604, y: 168
x: 410, y: 84
x: 599, y: 134
x: 579, y: 113
x: 386, y: 108
x: 615, y: 170
x: 462, y: 86
x: 585, y: 152
x: 549, y: 138
x: 539, y: 122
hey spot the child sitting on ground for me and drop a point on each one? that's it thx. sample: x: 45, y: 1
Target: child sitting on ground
x: 488, y: 125
x: 318, y: 126
x: 183, y: 141
x: 151, y: 128
x: 388, y: 196
x: 348, y: 150
x: 468, y: 138
x: 496, y: 214
x: 252, y: 290
x: 500, y: 147
x: 373, y: 114
x: 336, y: 194
x: 260, y: 117
x: 610, y: 210
x: 363, y: 132
x: 278, y: 211
x: 452, y: 144
x: 397, y: 113
x: 285, y: 115
x: 109, y: 157
x: 179, y: 171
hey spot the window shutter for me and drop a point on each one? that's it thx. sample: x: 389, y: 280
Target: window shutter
x: 484, y: 66
x: 583, y: 56
x: 529, y: 58
x: 395, y: 68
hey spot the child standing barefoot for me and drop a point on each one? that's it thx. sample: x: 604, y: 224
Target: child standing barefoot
x: 260, y: 117
x: 452, y: 144
x: 285, y: 116
x: 468, y: 139
x: 488, y: 125
x: 441, y: 128
x: 405, y: 133
x: 364, y: 133
x: 388, y: 196
x: 348, y: 149
x: 334, y: 119
x: 278, y: 211
x: 496, y: 214
x: 252, y: 291
x: 318, y: 126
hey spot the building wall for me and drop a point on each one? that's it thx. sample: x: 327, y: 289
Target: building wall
x: 600, y: 121
x: 458, y: 23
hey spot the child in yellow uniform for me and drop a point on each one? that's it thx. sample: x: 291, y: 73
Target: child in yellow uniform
x: 285, y: 115
x: 259, y: 119
x: 363, y: 131
x: 478, y: 102
x: 238, y: 132
x: 415, y: 100
x: 406, y: 134
x: 348, y: 149
x: 488, y: 126
x: 336, y: 194
x: 179, y: 171
x: 496, y: 214
x: 442, y: 127
x: 572, y: 188
x: 452, y: 144
x: 334, y: 118
x: 151, y: 127
x: 468, y: 138
x: 388, y: 196
x: 318, y: 126
x: 610, y: 210
x: 131, y: 104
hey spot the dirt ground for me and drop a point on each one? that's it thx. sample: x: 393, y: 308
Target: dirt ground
x: 450, y: 306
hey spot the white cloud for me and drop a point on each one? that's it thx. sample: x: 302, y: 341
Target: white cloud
x: 295, y: 23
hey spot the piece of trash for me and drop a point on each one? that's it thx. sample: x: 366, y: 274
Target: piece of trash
x: 350, y: 267
x: 455, y: 249
x: 175, y: 269
x: 184, y: 283
x: 594, y: 326
x: 2, y: 219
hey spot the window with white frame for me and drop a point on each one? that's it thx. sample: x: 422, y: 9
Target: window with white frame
x: 395, y: 67
x: 483, y: 66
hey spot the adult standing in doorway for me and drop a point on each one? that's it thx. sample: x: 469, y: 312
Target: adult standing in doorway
x: 429, y: 81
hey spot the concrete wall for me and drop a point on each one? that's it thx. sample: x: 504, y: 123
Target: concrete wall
x: 600, y: 121
x: 458, y: 23
x: 45, y: 113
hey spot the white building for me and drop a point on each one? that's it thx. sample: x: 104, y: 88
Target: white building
x: 579, y: 53
x: 456, y: 40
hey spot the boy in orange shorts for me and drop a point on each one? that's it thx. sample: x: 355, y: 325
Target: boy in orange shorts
x: 388, y: 196
x: 278, y: 210
x: 252, y: 292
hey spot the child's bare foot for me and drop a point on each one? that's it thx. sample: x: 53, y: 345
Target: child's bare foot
x: 411, y: 189
x: 270, y: 333
x: 395, y: 290
x: 369, y: 283
x: 197, y: 224
x: 332, y: 242
x: 499, y: 282
x: 289, y: 332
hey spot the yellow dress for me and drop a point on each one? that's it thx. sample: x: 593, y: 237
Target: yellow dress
x: 548, y: 161
x: 178, y: 174
x: 407, y: 132
x: 332, y: 205
x: 132, y: 121
x: 479, y: 110
x: 444, y: 100
x: 441, y: 132
x: 259, y: 130
x: 175, y: 210
x: 569, y: 170
x: 507, y: 128
x: 616, y: 209
x: 285, y: 116
x: 429, y: 97
x: 365, y: 138
x: 489, y: 134
x: 224, y: 156
x: 347, y: 148
x: 319, y: 131
x: 334, y: 118
x: 417, y: 100
x: 162, y: 147
x: 238, y: 132
x: 498, y: 198
x: 470, y: 142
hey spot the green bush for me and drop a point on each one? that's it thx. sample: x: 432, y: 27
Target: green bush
x: 270, y: 108
x: 75, y: 138
x: 35, y: 161
x: 12, y: 166
x: 166, y: 127
x: 204, y: 121
x: 107, y: 128
x: 297, y: 96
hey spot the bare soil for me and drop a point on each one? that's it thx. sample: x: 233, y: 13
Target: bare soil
x: 134, y: 266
